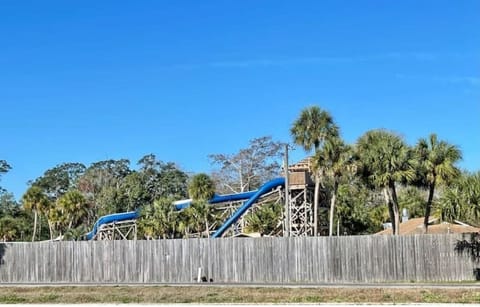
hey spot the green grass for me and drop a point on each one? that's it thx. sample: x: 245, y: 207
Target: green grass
x: 432, y: 297
x: 11, y: 299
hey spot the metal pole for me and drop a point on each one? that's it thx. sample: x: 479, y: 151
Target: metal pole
x: 287, y: 196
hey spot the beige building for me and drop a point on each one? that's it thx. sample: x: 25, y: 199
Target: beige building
x: 414, y: 226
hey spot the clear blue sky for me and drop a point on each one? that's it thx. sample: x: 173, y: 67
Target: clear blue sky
x: 83, y: 81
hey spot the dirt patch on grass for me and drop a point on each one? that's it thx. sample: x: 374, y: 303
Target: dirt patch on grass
x: 193, y: 294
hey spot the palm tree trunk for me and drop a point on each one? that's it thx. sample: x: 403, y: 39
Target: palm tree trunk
x: 35, y: 219
x: 50, y: 228
x: 396, y: 210
x: 332, y: 207
x: 316, y: 197
x: 207, y: 228
x: 39, y: 225
x: 391, y: 214
x: 428, y: 207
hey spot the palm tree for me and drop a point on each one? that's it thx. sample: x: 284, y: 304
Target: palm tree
x: 73, y: 205
x: 35, y: 200
x: 146, y: 223
x: 310, y: 131
x: 201, y: 216
x: 437, y: 164
x: 334, y: 161
x: 57, y: 221
x: 460, y: 200
x: 471, y: 183
x: 185, y: 222
x: 450, y: 205
x: 386, y: 160
x: 159, y: 219
x: 9, y: 228
x: 75, y: 233
x: 265, y: 219
x: 201, y: 189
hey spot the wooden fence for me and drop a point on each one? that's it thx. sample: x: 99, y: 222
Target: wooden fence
x: 239, y: 260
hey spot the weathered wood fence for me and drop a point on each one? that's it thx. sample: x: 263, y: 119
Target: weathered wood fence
x: 259, y: 260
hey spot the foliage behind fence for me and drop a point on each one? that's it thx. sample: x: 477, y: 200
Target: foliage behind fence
x: 258, y: 260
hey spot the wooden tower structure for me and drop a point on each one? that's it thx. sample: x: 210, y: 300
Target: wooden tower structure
x: 301, y: 197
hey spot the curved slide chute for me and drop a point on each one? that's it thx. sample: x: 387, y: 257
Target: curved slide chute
x: 111, y: 218
x: 255, y: 195
x: 231, y: 197
x: 216, y: 199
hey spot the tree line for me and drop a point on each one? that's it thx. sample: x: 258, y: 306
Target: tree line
x: 382, y: 162
x: 67, y: 199
x: 362, y: 185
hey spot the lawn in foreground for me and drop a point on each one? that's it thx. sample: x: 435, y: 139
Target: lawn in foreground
x: 172, y: 294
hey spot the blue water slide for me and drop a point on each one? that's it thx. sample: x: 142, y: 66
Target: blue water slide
x: 231, y: 197
x: 182, y: 204
x: 111, y: 218
x: 185, y: 203
x: 253, y: 197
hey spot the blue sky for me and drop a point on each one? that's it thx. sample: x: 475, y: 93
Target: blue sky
x: 83, y: 81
